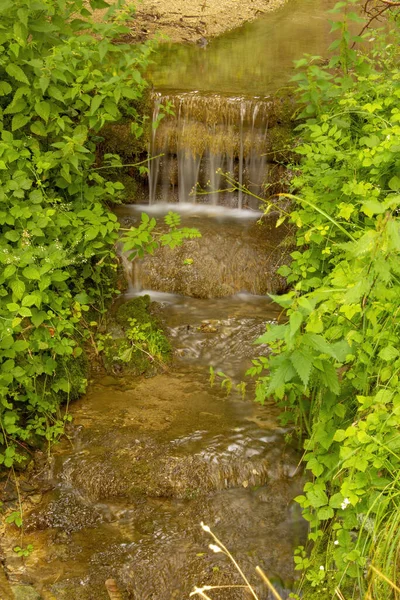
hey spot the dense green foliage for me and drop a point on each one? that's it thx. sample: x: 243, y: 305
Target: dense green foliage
x: 136, y: 340
x: 335, y: 364
x: 62, y: 78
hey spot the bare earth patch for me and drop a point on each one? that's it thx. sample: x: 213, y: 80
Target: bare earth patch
x: 195, y: 20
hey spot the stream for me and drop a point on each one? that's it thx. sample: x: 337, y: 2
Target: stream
x: 147, y: 459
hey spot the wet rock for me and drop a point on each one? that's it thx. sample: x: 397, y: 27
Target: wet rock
x: 25, y: 592
x: 227, y: 260
x: 68, y: 512
x: 108, y: 381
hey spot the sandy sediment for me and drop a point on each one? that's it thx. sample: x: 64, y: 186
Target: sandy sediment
x: 195, y: 20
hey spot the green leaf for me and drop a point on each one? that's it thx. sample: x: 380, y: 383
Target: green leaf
x: 5, y: 88
x: 18, y: 288
x: 330, y: 378
x: 317, y: 497
x: 295, y: 320
x: 31, y: 273
x: 316, y: 467
x: 17, y: 73
x: 302, y: 362
x: 38, y: 317
x: 43, y: 109
x: 12, y: 235
x: 19, y: 121
x: 38, y: 128
x: 9, y: 271
x: 275, y: 332
x: 95, y: 103
x: 373, y: 207
x: 394, y: 183
x: 389, y: 353
x: 20, y: 345
x: 324, y: 513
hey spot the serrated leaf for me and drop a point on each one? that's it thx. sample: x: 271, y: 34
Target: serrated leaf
x: 389, y: 353
x: 17, y: 73
x: 315, y: 467
x: 302, y: 362
x: 18, y: 288
x: 319, y: 343
x: 295, y: 321
x: 275, y: 332
x: 324, y: 513
x: 317, y: 497
x: 43, y: 109
x: 5, y: 88
x: 329, y: 377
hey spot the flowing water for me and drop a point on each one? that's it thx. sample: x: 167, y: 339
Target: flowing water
x: 226, y: 108
x: 147, y: 459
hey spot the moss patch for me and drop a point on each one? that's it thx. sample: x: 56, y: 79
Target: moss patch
x: 136, y: 343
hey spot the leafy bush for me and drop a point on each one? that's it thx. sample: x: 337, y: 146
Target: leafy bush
x: 336, y: 363
x: 62, y: 78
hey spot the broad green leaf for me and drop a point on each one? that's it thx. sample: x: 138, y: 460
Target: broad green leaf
x: 295, y: 321
x: 329, y: 377
x: 19, y: 121
x: 5, y: 88
x: 9, y: 271
x: 31, y: 273
x: 18, y: 288
x: 43, y: 109
x: 373, y: 207
x: 275, y: 332
x: 394, y: 183
x: 302, y: 361
x: 12, y: 235
x: 325, y: 512
x: 314, y: 466
x: 317, y: 497
x: 17, y: 73
x: 95, y: 103
x: 389, y: 353
x: 38, y: 128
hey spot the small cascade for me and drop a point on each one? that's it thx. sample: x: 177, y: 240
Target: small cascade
x: 200, y: 139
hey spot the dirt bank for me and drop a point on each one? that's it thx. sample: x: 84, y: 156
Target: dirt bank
x: 196, y: 20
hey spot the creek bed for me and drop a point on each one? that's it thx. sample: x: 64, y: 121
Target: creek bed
x: 151, y: 458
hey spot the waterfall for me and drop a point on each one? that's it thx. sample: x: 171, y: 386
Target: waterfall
x: 203, y: 137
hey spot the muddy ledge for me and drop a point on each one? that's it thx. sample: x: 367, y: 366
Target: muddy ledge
x: 193, y: 20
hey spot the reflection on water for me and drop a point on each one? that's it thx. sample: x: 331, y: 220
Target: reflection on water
x: 252, y: 60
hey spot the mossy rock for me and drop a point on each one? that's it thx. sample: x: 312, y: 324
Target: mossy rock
x: 136, y: 343
x: 137, y: 308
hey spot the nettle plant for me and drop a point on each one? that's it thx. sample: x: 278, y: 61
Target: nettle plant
x: 63, y: 76
x: 335, y: 365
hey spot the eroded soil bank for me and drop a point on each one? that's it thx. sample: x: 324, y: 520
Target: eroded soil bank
x: 195, y: 20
